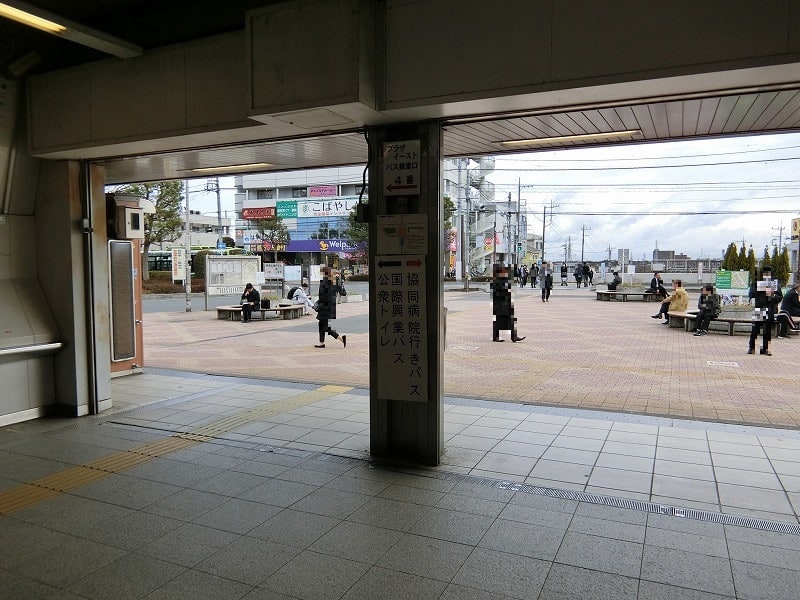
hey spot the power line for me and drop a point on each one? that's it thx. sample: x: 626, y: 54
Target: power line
x: 679, y: 213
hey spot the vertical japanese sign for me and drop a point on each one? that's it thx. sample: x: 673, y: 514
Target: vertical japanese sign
x: 178, y: 264
x: 401, y: 168
x: 402, y: 331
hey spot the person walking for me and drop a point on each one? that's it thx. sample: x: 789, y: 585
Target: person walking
x: 564, y: 274
x: 502, y: 305
x: 546, y: 281
x: 586, y: 275
x: 534, y: 274
x: 578, y: 274
x: 326, y: 307
x: 523, y: 276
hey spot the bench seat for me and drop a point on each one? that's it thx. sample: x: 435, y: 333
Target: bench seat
x: 623, y: 295
x: 234, y: 312
x: 685, y: 319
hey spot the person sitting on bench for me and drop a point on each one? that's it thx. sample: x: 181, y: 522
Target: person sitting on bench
x: 612, y: 287
x: 250, y: 299
x: 708, y: 308
x: 678, y: 301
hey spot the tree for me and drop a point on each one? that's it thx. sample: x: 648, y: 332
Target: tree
x: 357, y: 234
x: 750, y: 261
x: 274, y: 233
x: 766, y: 260
x: 780, y: 265
x: 744, y: 258
x: 164, y: 225
x: 731, y: 260
x: 449, y: 211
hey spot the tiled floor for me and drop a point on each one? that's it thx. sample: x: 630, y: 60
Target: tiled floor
x: 212, y: 487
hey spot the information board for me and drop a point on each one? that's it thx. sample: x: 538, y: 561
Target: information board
x: 227, y: 275
x: 402, y: 334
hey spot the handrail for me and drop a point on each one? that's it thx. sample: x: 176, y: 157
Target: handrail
x: 32, y: 349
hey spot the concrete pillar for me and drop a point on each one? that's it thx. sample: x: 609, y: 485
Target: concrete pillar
x: 406, y: 296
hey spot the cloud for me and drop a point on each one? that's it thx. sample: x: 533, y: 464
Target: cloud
x: 610, y: 197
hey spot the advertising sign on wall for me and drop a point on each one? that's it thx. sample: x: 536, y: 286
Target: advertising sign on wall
x: 339, y: 207
x: 287, y: 209
x: 266, y: 212
x: 322, y: 191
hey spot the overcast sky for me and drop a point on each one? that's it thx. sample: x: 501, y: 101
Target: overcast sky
x: 616, y: 193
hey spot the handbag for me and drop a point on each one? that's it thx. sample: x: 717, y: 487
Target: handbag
x: 315, y: 307
x: 342, y: 291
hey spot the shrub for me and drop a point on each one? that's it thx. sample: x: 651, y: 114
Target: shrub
x: 199, y: 263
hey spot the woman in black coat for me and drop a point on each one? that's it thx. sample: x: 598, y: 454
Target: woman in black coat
x: 326, y: 309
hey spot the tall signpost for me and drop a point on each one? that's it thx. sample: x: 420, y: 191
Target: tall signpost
x: 406, y: 294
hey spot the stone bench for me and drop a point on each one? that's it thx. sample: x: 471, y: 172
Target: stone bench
x: 685, y: 320
x: 234, y: 312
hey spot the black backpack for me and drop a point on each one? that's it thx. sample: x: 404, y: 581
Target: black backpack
x: 290, y: 293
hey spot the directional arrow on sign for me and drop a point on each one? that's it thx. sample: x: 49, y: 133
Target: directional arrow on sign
x: 411, y: 186
x: 389, y: 263
x: 414, y: 263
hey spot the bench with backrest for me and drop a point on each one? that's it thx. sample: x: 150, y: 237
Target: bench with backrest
x: 623, y: 295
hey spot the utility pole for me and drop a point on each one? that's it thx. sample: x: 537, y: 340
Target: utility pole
x: 509, y: 239
x: 219, y: 213
x: 583, y: 239
x: 188, y: 245
x: 780, y: 235
x: 544, y: 221
x: 519, y: 210
x: 465, y: 267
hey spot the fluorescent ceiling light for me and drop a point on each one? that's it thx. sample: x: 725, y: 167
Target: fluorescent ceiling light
x: 585, y: 137
x: 31, y: 20
x: 229, y: 168
x: 33, y: 16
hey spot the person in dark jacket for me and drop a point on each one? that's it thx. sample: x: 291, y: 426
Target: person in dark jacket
x: 766, y: 292
x: 578, y: 273
x: 546, y: 279
x: 502, y: 305
x: 251, y: 299
x: 587, y: 274
x: 708, y: 307
x: 326, y: 309
x: 789, y: 306
x: 612, y: 286
x: 657, y: 286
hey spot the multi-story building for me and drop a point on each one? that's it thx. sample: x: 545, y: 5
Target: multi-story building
x: 206, y: 231
x: 314, y: 205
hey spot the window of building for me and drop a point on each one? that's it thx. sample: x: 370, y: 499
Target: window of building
x: 265, y: 194
x: 299, y: 192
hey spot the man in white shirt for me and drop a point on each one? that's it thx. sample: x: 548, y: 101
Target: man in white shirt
x: 300, y: 296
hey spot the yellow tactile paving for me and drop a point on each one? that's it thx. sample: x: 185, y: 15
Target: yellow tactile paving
x: 23, y: 496
x: 28, y: 494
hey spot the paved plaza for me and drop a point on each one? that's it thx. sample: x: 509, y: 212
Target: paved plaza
x: 578, y: 353
x: 584, y: 462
